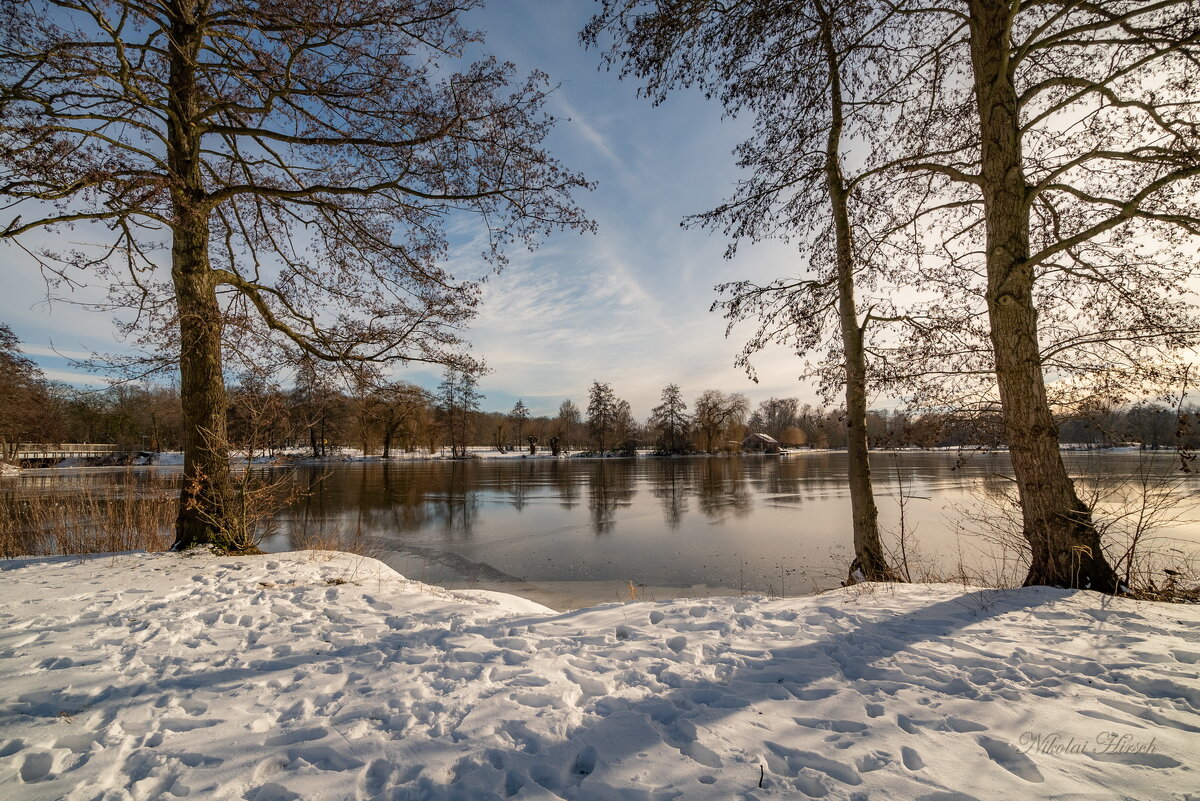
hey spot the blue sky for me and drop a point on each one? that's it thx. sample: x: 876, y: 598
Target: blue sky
x: 628, y: 305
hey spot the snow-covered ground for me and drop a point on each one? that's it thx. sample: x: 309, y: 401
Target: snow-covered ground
x: 315, y: 676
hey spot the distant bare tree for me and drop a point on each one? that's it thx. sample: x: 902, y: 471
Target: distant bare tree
x: 519, y: 416
x: 316, y: 402
x: 22, y: 390
x: 458, y: 403
x: 400, y: 405
x: 774, y: 415
x: 626, y: 434
x: 569, y: 419
x: 298, y: 160
x: 671, y: 420
x: 601, y: 414
x: 716, y: 411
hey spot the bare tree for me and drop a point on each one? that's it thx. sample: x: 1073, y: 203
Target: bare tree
x: 400, y: 405
x: 601, y: 414
x: 458, y: 403
x: 671, y: 420
x: 569, y: 419
x: 519, y: 417
x: 626, y: 433
x: 258, y: 414
x: 22, y: 391
x: 785, y: 63
x: 774, y: 415
x: 716, y: 411
x: 316, y: 404
x: 1056, y: 147
x: 299, y: 161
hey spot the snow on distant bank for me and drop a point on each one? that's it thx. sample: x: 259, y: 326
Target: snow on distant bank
x: 316, y: 676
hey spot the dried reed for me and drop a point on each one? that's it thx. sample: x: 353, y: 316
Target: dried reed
x: 126, y: 516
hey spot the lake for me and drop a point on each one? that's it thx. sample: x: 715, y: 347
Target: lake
x: 575, y: 532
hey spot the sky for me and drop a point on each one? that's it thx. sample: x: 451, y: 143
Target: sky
x: 628, y: 305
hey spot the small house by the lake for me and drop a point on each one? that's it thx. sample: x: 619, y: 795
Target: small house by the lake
x: 761, y: 443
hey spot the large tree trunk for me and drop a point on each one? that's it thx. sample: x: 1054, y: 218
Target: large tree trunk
x: 1064, y: 543
x: 868, y: 548
x: 206, y: 480
x: 205, y: 497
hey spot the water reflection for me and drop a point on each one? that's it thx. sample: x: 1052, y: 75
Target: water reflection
x: 740, y: 524
x: 610, y: 488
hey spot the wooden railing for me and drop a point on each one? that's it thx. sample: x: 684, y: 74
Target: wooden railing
x: 62, y: 450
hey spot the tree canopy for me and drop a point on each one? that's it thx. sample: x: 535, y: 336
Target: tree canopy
x: 304, y: 164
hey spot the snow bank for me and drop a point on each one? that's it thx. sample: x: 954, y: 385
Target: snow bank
x: 301, y: 676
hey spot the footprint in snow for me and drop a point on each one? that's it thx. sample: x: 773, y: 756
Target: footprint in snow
x: 374, y: 780
x: 795, y: 761
x: 1011, y: 759
x: 513, y: 782
x: 36, y: 766
x: 1150, y: 760
x: 585, y: 764
x: 546, y: 776
x: 76, y: 743
x: 841, y: 726
x: 298, y: 736
x: 701, y: 754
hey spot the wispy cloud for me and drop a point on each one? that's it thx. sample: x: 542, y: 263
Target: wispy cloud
x: 74, y: 378
x: 52, y: 351
x: 579, y: 124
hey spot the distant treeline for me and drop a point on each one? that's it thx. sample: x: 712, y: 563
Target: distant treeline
x: 318, y: 416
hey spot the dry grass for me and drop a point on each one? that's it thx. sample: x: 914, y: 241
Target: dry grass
x: 326, y: 545
x: 121, y: 517
x: 336, y: 540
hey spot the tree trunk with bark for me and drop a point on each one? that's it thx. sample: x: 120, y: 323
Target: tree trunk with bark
x: 207, y: 488
x: 1058, y: 526
x: 869, y: 557
x: 389, y: 431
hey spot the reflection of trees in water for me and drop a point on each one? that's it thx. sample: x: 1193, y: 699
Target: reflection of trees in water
x: 385, y: 500
x: 517, y: 481
x: 794, y: 479
x: 399, y: 498
x: 400, y: 502
x: 456, y: 508
x: 722, y: 489
x: 816, y: 476
x: 672, y: 485
x: 564, y: 477
x: 775, y: 475
x: 317, y: 504
x: 611, y: 488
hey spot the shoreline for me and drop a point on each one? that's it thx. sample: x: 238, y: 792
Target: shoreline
x: 174, y: 459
